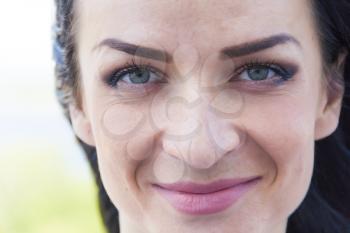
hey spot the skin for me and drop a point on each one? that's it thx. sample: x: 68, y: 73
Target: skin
x: 270, y: 131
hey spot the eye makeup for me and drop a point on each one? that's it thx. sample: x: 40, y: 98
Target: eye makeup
x: 133, y: 81
x: 270, y: 72
x: 253, y: 73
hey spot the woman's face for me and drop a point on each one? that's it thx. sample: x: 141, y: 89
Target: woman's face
x: 203, y: 114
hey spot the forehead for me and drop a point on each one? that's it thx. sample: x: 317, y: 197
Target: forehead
x: 203, y: 22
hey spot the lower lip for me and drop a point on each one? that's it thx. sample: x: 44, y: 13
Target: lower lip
x: 208, y: 203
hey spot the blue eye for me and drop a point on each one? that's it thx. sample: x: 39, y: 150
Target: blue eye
x: 265, y: 73
x: 259, y: 73
x: 134, y: 75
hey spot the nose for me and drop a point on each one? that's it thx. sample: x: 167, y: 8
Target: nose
x: 211, y: 137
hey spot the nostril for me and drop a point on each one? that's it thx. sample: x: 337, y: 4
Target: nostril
x: 197, y: 152
x: 226, y: 136
x: 202, y: 154
x: 228, y: 141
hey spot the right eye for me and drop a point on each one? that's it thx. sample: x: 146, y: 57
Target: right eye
x: 134, y: 75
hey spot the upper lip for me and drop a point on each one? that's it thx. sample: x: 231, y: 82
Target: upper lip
x: 196, y: 188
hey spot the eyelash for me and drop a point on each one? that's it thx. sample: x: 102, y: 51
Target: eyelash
x: 282, y: 74
x: 130, y: 67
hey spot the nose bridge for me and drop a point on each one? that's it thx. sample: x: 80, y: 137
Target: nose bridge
x: 213, y: 137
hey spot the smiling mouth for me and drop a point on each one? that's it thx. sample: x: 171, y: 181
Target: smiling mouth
x: 200, y: 199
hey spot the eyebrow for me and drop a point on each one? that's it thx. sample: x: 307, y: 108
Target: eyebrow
x: 257, y: 46
x: 136, y: 50
x: 227, y: 52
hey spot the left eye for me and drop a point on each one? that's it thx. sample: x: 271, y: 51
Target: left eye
x: 139, y: 76
x: 134, y: 76
x: 260, y: 73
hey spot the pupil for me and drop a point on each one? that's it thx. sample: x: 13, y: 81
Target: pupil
x: 140, y: 76
x: 258, y: 73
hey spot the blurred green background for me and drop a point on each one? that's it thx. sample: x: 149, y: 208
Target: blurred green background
x: 40, y: 195
x: 45, y: 183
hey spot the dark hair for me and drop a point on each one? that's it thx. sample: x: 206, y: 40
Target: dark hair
x: 326, y: 207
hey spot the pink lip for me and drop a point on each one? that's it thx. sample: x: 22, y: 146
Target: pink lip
x: 199, y: 199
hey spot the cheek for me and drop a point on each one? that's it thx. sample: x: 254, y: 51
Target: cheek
x: 113, y: 167
x: 124, y: 141
x: 284, y: 132
x: 117, y: 172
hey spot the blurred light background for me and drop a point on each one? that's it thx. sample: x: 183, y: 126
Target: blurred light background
x: 45, y: 183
